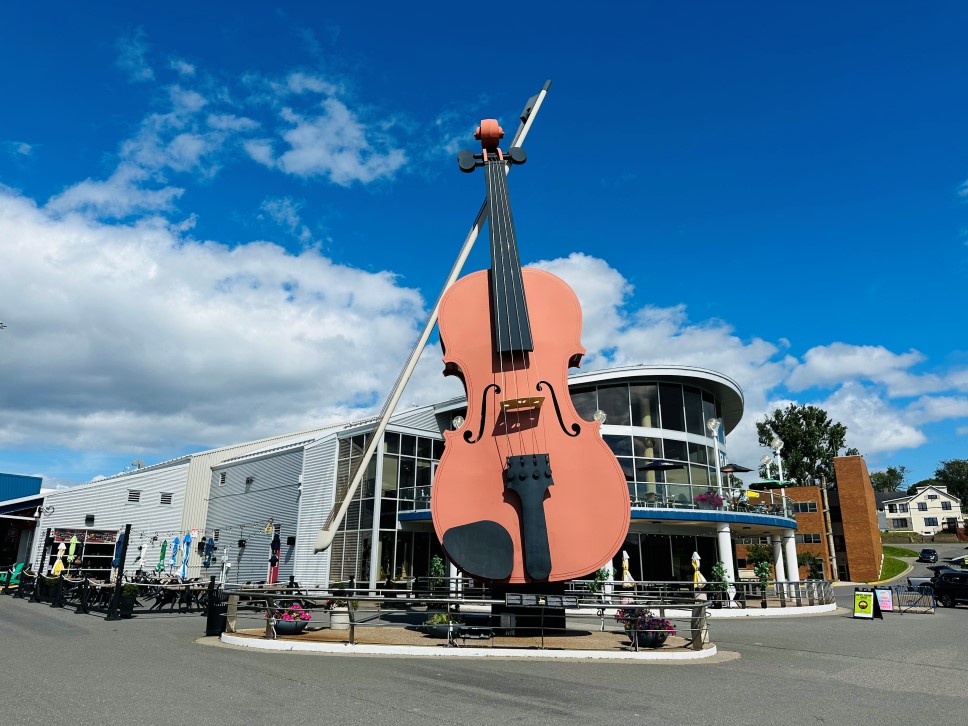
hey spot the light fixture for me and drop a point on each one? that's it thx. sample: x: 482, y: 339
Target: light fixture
x: 713, y: 425
x: 776, y: 443
x: 600, y: 416
x: 457, y: 422
x: 43, y: 511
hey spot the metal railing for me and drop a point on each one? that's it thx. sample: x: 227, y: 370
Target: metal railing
x: 742, y: 594
x: 473, y: 617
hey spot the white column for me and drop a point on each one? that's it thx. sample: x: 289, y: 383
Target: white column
x: 725, y: 543
x: 778, y: 568
x: 790, y: 544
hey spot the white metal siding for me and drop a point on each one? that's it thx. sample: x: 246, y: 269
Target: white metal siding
x: 239, y: 514
x: 315, y: 504
x: 107, y: 500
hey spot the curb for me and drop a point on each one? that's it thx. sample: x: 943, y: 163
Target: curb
x: 446, y: 652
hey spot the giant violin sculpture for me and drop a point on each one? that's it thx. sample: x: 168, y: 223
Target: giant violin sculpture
x: 526, y: 491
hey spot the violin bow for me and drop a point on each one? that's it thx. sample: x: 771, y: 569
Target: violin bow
x: 325, y: 536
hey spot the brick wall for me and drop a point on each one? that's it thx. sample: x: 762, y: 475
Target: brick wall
x: 858, y: 510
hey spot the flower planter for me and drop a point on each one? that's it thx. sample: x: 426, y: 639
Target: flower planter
x: 650, y: 639
x: 436, y: 630
x: 339, y: 619
x: 290, y: 627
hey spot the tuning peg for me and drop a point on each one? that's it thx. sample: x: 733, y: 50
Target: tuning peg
x: 466, y: 160
x: 517, y: 155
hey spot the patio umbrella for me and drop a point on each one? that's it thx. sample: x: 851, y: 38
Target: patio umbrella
x: 734, y: 469
x: 118, y: 549
x: 628, y: 582
x: 72, y: 548
x: 188, y: 551
x: 659, y: 465
x: 174, y: 554
x: 209, y: 551
x: 274, y: 548
x: 161, y: 556
x: 59, y: 562
x: 697, y: 577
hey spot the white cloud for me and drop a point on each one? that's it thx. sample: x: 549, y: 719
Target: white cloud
x: 181, y: 67
x: 831, y: 365
x: 873, y: 425
x: 285, y: 212
x: 335, y: 144
x: 133, y: 338
x: 937, y: 408
x: 120, y: 195
x: 302, y: 82
x: 132, y: 56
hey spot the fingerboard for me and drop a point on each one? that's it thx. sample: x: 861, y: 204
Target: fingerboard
x: 509, y: 308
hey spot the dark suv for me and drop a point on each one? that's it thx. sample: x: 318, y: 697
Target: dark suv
x: 928, y: 555
x: 951, y: 588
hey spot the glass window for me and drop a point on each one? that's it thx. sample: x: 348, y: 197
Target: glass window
x: 675, y: 450
x: 946, y: 506
x: 645, y: 404
x: 892, y: 508
x: 628, y: 467
x: 932, y: 496
x: 425, y: 447
x: 438, y: 449
x: 585, y: 402
x: 620, y: 445
x: 899, y: 523
x: 391, y: 466
x: 614, y: 401
x: 697, y: 453
x: 695, y: 424
x: 670, y: 407
x: 407, y: 471
x: 366, y: 514
x: 388, y: 513
x: 358, y: 445
x: 902, y: 508
x: 647, y: 447
x: 391, y: 443
x: 408, y: 445
x: 700, y: 475
x: 922, y: 506
x: 930, y: 521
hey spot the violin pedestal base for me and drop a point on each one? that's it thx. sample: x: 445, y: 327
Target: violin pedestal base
x: 530, y: 621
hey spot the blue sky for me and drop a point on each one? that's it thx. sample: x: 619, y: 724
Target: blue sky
x: 225, y: 220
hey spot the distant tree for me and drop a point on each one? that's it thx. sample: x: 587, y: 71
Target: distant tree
x: 913, y: 489
x: 954, y: 475
x: 851, y: 452
x: 757, y: 553
x: 810, y: 439
x: 890, y: 480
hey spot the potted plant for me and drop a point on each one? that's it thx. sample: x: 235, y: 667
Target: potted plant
x: 129, y: 598
x: 291, y: 619
x: 762, y: 572
x: 645, y: 629
x: 719, y: 584
x: 709, y: 500
x: 339, y: 607
x: 439, y: 624
x: 437, y: 572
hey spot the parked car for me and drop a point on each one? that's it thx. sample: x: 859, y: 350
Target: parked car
x: 960, y: 561
x: 951, y: 588
x: 938, y: 569
x: 928, y: 555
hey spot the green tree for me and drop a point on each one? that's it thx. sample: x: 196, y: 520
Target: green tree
x: 810, y: 439
x: 890, y: 480
x: 757, y: 553
x: 954, y: 475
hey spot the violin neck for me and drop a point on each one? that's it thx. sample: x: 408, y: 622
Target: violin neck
x: 509, y: 309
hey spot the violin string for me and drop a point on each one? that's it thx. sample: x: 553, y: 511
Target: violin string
x: 507, y: 266
x: 497, y: 257
x: 520, y: 314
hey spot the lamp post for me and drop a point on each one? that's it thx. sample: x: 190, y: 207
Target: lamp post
x: 777, y: 444
x: 713, y: 425
x: 765, y: 462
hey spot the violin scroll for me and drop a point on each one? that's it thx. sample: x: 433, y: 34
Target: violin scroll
x: 490, y: 134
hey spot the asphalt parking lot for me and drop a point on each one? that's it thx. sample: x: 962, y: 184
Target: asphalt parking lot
x: 59, y: 667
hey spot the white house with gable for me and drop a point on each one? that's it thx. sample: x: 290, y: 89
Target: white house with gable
x: 929, y: 510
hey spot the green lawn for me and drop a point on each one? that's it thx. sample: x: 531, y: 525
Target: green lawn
x: 891, y: 568
x: 890, y: 551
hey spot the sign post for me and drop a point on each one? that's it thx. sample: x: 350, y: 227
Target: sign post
x: 866, y: 606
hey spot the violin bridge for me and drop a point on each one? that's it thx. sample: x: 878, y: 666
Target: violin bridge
x: 512, y: 404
